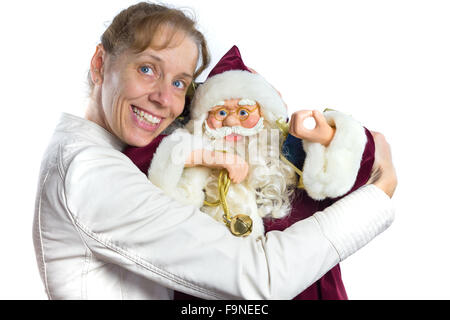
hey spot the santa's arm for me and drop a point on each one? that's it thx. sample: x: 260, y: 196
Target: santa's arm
x: 182, y: 150
x: 334, y: 167
x: 171, y: 157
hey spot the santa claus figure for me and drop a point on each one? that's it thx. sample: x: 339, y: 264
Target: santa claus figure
x: 240, y: 162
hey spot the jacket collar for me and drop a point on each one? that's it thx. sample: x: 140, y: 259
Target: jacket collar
x: 70, y: 123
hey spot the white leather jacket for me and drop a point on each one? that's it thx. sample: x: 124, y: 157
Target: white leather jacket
x: 103, y: 231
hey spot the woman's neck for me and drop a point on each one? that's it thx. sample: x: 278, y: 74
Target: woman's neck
x: 95, y: 113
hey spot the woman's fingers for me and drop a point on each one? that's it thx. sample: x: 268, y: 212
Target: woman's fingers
x: 383, y: 173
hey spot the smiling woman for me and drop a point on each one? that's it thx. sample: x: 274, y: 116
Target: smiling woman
x: 136, y: 96
x: 102, y: 230
x: 141, y: 71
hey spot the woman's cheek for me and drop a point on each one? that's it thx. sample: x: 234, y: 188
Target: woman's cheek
x: 179, y: 107
x: 135, y: 89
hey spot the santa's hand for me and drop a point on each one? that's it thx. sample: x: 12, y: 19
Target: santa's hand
x: 237, y: 168
x: 322, y: 132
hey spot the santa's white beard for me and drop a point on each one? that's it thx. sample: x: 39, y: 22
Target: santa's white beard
x: 270, y: 182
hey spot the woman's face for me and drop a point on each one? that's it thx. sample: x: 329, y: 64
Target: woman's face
x: 141, y: 94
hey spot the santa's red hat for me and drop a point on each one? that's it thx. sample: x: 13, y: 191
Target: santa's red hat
x: 231, y: 79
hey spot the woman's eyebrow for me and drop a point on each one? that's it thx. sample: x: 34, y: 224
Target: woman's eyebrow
x: 186, y: 75
x: 154, y: 57
x: 160, y: 60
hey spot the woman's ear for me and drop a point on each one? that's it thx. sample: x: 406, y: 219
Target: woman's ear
x: 97, y: 63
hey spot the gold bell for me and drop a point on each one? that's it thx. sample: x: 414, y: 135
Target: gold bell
x: 240, y: 225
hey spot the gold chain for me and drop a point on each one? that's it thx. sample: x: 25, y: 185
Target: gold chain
x: 224, y: 185
x: 240, y: 225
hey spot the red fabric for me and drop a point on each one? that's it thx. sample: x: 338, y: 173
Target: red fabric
x: 232, y: 60
x: 330, y: 286
x: 142, y: 157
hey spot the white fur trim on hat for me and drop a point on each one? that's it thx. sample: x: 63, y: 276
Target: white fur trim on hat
x: 238, y: 84
x: 331, y: 171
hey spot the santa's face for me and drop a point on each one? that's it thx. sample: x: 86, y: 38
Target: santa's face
x: 235, y: 113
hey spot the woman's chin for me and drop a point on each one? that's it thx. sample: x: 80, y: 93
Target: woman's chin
x: 137, y: 136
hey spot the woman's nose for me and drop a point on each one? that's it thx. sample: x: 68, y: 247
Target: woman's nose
x: 160, y: 94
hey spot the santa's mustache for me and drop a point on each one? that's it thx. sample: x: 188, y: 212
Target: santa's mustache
x: 238, y: 130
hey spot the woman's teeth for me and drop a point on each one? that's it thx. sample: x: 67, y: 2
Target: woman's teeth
x: 145, y: 116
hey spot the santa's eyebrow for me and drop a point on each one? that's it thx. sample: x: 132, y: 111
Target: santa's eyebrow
x: 247, y: 102
x: 219, y: 104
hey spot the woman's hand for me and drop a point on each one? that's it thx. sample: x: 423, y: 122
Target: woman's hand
x: 322, y: 133
x: 383, y: 172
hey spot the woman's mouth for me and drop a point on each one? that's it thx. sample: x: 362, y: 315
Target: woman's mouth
x: 142, y: 115
x: 144, y: 119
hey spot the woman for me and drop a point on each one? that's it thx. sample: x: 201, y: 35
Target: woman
x: 102, y: 230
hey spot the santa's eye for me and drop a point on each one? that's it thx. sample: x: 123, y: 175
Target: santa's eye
x: 243, y: 113
x: 222, y: 113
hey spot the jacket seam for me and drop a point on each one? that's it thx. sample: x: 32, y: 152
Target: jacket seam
x: 85, y: 272
x: 123, y: 292
x: 88, y: 253
x: 44, y: 265
x: 60, y: 164
x: 323, y: 233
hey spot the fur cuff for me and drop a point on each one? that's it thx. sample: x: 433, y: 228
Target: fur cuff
x: 169, y: 160
x: 331, y: 171
x: 190, y: 189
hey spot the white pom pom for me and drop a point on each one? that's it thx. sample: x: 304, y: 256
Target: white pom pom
x: 309, y: 123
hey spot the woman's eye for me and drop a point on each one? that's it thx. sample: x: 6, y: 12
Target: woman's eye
x: 179, y: 84
x: 146, y: 70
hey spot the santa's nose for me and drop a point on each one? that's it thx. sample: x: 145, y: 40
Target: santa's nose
x: 231, y: 121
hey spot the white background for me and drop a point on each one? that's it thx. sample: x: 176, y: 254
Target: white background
x: 385, y: 62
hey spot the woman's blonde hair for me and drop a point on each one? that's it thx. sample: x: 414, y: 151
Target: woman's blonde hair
x: 135, y: 27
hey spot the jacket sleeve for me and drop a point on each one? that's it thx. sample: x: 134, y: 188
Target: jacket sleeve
x: 124, y: 219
